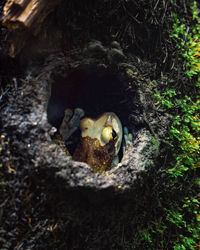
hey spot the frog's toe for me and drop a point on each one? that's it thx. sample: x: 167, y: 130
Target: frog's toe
x: 68, y: 114
x: 128, y: 140
x: 74, y: 123
x: 67, y: 117
x: 71, y: 122
x: 75, y: 120
x: 115, y: 161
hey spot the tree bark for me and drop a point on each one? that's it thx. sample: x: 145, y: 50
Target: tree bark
x: 24, y: 17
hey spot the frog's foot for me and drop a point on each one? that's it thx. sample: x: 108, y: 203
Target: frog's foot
x: 128, y: 140
x: 71, y: 122
x: 115, y: 161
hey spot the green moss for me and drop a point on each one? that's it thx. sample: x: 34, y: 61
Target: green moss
x: 184, y: 133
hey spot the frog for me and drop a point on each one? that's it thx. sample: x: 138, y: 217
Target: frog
x: 100, y: 138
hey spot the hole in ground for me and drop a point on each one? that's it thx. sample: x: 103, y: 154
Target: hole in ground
x: 95, y: 90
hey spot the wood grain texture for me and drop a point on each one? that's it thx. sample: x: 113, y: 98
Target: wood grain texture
x: 24, y: 17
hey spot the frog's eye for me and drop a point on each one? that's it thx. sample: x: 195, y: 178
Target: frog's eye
x: 114, y: 134
x: 108, y: 133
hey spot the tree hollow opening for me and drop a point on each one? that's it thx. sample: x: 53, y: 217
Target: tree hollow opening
x: 96, y: 90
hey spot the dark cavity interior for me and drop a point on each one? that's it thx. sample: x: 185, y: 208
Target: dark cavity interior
x: 94, y: 90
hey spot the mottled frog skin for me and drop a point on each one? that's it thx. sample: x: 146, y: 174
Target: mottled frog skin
x: 100, y: 140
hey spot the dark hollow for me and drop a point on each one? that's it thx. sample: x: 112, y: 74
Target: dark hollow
x: 95, y: 90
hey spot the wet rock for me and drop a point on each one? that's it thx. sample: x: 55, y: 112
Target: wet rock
x: 95, y: 49
x: 116, y: 45
x: 116, y: 56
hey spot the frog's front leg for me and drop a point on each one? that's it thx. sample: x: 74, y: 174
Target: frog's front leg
x: 115, y: 161
x: 128, y: 140
x: 71, y: 122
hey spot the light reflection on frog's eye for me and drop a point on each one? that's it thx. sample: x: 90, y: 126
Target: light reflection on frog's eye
x: 108, y: 134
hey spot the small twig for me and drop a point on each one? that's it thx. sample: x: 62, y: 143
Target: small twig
x: 156, y: 4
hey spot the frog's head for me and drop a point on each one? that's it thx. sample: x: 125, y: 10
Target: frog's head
x: 106, y: 129
x: 100, y: 141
